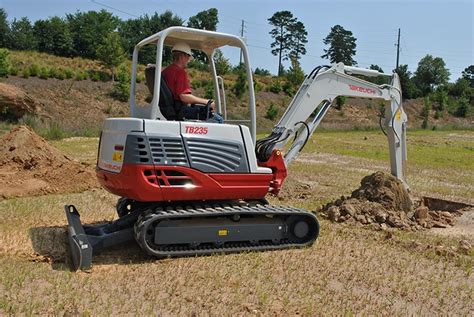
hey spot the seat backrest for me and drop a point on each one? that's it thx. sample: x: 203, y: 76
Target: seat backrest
x: 168, y: 106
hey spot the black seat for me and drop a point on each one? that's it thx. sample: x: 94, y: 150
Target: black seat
x: 169, y: 107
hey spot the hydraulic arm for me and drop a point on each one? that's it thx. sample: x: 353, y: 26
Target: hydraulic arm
x: 314, y: 98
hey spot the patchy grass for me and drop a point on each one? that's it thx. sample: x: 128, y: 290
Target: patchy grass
x: 349, y: 270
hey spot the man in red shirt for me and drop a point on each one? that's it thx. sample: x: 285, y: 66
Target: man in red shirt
x: 177, y: 80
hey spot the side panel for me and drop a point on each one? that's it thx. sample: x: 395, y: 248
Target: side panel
x: 215, y: 148
x: 112, y: 144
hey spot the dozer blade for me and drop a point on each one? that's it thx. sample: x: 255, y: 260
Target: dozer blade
x: 81, y: 248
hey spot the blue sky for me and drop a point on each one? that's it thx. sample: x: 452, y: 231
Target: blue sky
x: 441, y: 28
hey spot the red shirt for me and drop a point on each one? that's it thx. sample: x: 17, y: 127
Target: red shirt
x: 177, y: 80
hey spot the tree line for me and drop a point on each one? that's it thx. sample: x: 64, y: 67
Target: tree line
x: 103, y: 36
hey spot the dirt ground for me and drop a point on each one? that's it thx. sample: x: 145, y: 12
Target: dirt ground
x: 29, y: 165
x: 359, y: 264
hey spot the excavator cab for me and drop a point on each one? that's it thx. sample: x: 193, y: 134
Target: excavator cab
x: 207, y: 42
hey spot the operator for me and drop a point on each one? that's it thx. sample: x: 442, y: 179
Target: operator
x: 177, y: 80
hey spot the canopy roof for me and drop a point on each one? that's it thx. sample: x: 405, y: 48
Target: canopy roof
x: 197, y: 39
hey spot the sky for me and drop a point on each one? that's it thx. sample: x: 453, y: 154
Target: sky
x: 440, y: 28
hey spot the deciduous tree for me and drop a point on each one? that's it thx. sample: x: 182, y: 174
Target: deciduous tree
x: 431, y: 73
x: 468, y: 73
x: 204, y: 20
x: 21, y: 35
x: 110, y: 52
x: 4, y: 29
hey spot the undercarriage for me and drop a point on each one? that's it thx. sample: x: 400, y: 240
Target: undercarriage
x: 179, y: 229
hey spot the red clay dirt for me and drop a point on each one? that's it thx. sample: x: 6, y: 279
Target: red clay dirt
x: 30, y: 166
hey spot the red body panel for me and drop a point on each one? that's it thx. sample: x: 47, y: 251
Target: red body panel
x: 277, y: 164
x: 174, y: 183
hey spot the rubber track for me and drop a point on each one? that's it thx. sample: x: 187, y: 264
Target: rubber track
x: 151, y: 216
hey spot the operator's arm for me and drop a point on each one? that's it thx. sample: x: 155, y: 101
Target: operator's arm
x: 191, y: 99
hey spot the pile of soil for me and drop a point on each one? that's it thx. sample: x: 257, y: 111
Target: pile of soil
x: 382, y: 201
x: 31, y: 166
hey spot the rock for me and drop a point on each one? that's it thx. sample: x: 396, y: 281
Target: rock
x: 333, y: 213
x: 348, y: 209
x: 421, y: 212
x: 381, y: 217
x: 439, y: 224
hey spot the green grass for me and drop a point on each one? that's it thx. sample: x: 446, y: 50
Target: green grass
x: 424, y: 147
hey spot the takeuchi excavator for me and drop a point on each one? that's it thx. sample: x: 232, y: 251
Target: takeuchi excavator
x: 198, y: 188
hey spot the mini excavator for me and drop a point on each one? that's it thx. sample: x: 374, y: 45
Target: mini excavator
x: 194, y: 187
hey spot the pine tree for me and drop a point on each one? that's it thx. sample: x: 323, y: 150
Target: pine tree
x: 342, y: 46
x: 281, y: 33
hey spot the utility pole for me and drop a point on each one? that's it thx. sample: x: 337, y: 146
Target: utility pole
x: 241, y: 35
x: 398, y: 48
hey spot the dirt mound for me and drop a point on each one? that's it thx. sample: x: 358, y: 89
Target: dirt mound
x: 15, y: 103
x: 30, y: 166
x: 382, y: 201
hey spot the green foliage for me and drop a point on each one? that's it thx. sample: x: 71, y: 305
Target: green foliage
x: 288, y: 88
x: 409, y: 90
x: 426, y: 112
x: 431, y: 73
x: 281, y: 33
x: 298, y: 40
x: 68, y: 73
x: 110, y: 52
x: 21, y: 35
x: 134, y: 30
x: 122, y: 85
x: 34, y: 70
x: 468, y: 74
x: 26, y: 73
x: 14, y: 70
x: 88, y: 29
x: 272, y: 111
x: 54, y: 132
x: 342, y: 46
x: 204, y: 20
x: 222, y: 64
x: 295, y: 74
x: 441, y: 97
x: 240, y: 85
x: 275, y: 87
x: 209, y: 92
x: 4, y: 29
x: 5, y: 63
x: 44, y: 73
x: 54, y: 37
x: 261, y: 72
x: 463, y: 108
x: 80, y: 76
x: 340, y: 101
x: 196, y: 64
x: 459, y: 88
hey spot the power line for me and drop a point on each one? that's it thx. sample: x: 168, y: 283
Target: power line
x: 115, y: 9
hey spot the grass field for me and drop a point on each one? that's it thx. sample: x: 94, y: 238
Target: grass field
x: 349, y: 270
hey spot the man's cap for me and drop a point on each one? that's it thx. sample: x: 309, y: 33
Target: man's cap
x: 182, y: 47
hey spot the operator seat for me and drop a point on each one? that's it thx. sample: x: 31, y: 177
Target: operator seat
x: 170, y: 108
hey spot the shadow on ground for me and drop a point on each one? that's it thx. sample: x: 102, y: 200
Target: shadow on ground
x: 51, y: 245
